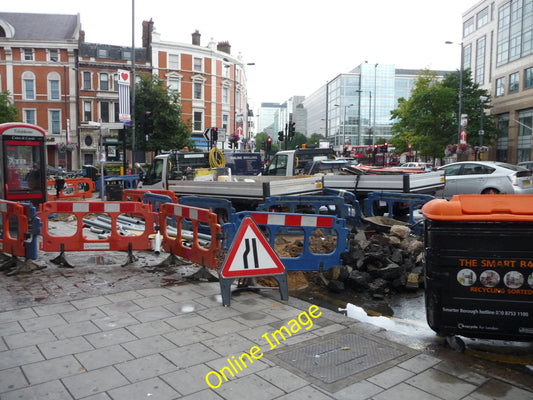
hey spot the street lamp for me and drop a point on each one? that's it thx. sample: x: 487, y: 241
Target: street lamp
x: 344, y: 122
x: 460, y: 90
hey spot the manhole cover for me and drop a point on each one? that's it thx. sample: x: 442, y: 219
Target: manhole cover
x: 341, y: 359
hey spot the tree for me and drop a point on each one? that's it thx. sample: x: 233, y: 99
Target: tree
x: 169, y: 131
x: 8, y: 112
x: 427, y: 121
x: 315, y: 139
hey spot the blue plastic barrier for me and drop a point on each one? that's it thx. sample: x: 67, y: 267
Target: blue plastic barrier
x: 410, y: 200
x: 155, y: 200
x: 222, y: 207
x: 333, y: 204
x: 130, y: 181
x: 300, y: 224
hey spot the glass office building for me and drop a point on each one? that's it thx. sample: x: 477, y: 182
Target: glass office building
x: 359, y: 103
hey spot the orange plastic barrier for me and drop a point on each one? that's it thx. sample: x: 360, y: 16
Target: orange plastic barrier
x: 114, y: 242
x: 138, y: 194
x: 13, y: 232
x: 196, y: 253
x: 74, y: 188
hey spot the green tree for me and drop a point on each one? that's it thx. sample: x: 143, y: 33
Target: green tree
x: 8, y: 112
x: 315, y: 139
x: 428, y: 120
x: 169, y: 131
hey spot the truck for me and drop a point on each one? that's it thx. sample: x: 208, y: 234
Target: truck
x: 285, y: 175
x: 244, y: 191
x: 360, y: 180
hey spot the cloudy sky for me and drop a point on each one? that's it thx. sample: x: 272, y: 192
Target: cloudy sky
x: 296, y: 45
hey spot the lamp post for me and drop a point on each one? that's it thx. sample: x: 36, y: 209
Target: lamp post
x: 375, y: 98
x: 344, y: 122
x: 460, y: 90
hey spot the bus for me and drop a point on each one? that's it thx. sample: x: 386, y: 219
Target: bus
x: 23, y: 163
x: 367, y: 156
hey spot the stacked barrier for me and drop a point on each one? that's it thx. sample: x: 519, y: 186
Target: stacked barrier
x: 114, y: 242
x: 405, y: 199
x: 138, y: 194
x: 206, y: 257
x: 73, y: 188
x: 13, y: 235
x: 276, y: 223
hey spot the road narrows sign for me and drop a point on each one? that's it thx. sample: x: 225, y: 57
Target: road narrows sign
x: 250, y: 254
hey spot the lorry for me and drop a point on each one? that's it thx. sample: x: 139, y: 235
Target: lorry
x: 244, y: 191
x: 283, y: 176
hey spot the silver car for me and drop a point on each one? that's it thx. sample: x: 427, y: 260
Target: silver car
x: 485, y: 177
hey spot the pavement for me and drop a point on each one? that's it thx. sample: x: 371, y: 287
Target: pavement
x: 106, y: 331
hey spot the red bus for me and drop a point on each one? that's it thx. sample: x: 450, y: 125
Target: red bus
x: 23, y: 163
x: 365, y: 155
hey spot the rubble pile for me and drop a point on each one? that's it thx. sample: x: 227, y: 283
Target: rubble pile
x: 385, y: 263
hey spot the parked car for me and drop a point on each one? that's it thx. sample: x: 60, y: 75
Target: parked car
x: 485, y: 177
x: 417, y: 165
x: 526, y: 164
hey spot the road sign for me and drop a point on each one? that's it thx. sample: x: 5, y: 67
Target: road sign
x: 207, y: 135
x: 250, y: 254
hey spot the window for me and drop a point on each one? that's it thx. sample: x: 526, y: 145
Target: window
x: 115, y: 83
x: 54, y: 90
x: 126, y: 54
x: 468, y: 27
x: 102, y: 53
x: 482, y: 17
x: 55, y: 121
x: 29, y: 89
x: 197, y: 64
x: 116, y: 105
x: 27, y: 54
x: 104, y: 111
x: 513, y: 82
x: 53, y: 54
x: 467, y: 56
x: 104, y: 82
x: 87, y: 80
x: 225, y: 121
x: 526, y: 122
x: 500, y: 87
x: 225, y: 95
x: 197, y: 123
x: 29, y: 117
x: 528, y: 78
x: 173, y: 61
x: 173, y: 84
x: 197, y: 91
x: 87, y: 113
x: 480, y: 61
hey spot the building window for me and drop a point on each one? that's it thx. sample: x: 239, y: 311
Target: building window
x: 116, y: 105
x: 480, y: 61
x: 467, y: 56
x: 173, y: 61
x: 87, y: 80
x: 126, y: 54
x: 54, y: 90
x: 526, y: 122
x: 104, y: 111
x: 115, y: 83
x: 528, y: 78
x: 87, y: 113
x: 468, y: 27
x: 198, y: 119
x: 102, y: 53
x: 197, y: 91
x: 513, y: 82
x: 225, y: 122
x: 104, y: 82
x: 29, y: 117
x: 55, y: 121
x: 27, y: 54
x: 197, y: 64
x: 29, y: 89
x: 173, y: 84
x: 482, y: 17
x: 500, y: 87
x: 225, y: 95
x: 53, y: 54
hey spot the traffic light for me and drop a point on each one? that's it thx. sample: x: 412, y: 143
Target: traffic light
x: 214, y: 134
x: 148, y: 123
x: 280, y: 136
x: 269, y: 143
x: 292, y: 129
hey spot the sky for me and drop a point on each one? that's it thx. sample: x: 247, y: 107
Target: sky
x: 296, y: 45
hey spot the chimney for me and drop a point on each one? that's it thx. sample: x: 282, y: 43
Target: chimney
x: 148, y: 27
x: 196, y: 38
x: 224, y: 47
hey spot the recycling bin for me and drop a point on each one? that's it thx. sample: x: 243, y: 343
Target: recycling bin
x: 479, y: 266
x: 114, y: 188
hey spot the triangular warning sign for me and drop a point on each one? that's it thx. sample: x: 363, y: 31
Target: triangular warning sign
x: 250, y: 254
